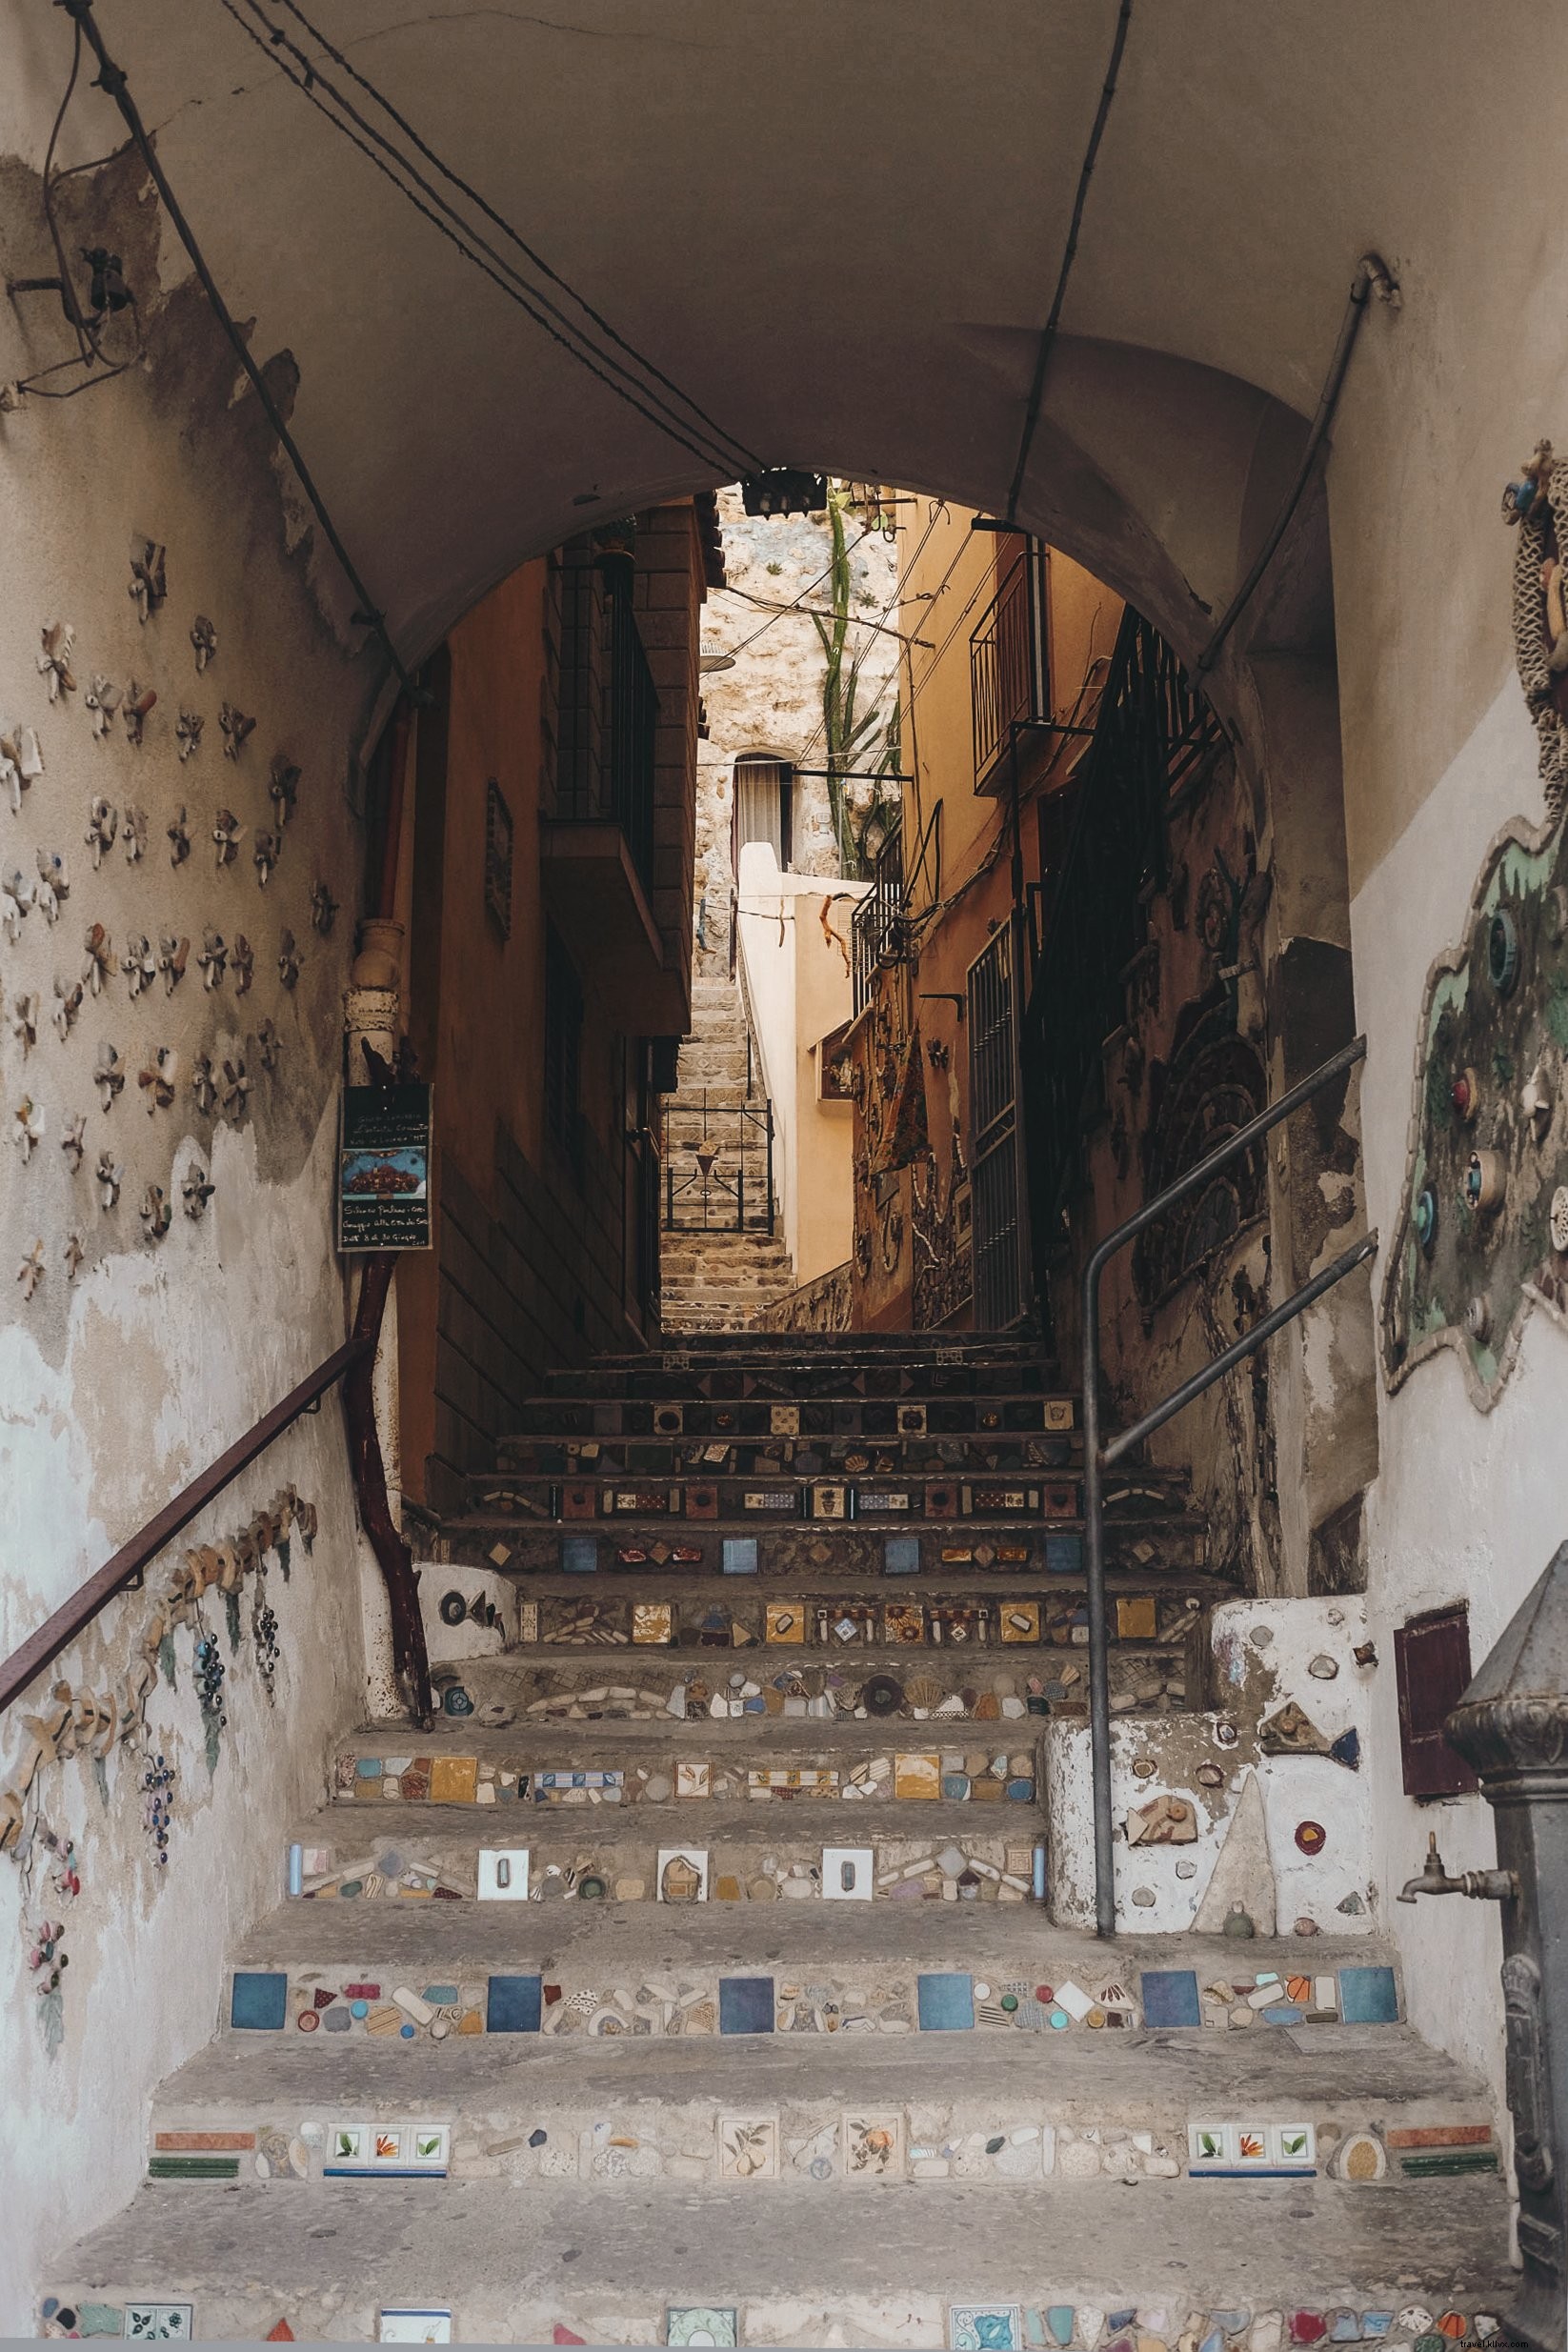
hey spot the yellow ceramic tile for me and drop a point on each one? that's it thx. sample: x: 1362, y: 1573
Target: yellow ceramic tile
x: 453, y: 1780
x: 1135, y: 1617
x: 1058, y: 1413
x: 1021, y: 1621
x: 653, y: 1621
x: 918, y: 1775
x: 785, y: 1622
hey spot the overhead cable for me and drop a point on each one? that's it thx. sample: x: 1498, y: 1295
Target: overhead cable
x: 577, y: 342
x: 112, y: 80
x: 507, y: 229
x: 1048, y: 332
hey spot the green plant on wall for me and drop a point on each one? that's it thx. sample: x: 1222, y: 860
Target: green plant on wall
x: 849, y: 732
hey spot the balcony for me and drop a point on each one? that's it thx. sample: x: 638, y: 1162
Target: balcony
x: 1009, y: 680
x: 880, y: 928
x: 597, y: 849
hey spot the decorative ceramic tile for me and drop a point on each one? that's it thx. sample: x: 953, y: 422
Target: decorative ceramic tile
x: 745, y: 2004
x: 918, y: 1775
x: 785, y: 1622
x: 580, y: 1556
x: 416, y: 2323
x: 159, y: 2322
x: 653, y: 1621
x: 683, y: 1874
x: 1171, y: 1997
x: 1019, y: 1620
x: 453, y: 1780
x: 1292, y: 2143
x: 748, y: 2147
x: 513, y: 2005
x: 258, y: 2003
x: 503, y: 1874
x: 740, y: 1556
x: 693, y: 1780
x: 985, y: 2327
x: 849, y: 1873
x: 1367, y: 1997
x: 946, y: 2003
x: 691, y: 2324
x: 874, y: 2147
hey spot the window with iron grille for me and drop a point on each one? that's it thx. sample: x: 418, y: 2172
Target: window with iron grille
x: 497, y: 860
x: 993, y: 1154
x: 563, y: 1041
x: 1432, y: 1669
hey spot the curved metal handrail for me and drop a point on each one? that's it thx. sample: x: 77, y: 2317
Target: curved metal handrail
x: 124, y: 1568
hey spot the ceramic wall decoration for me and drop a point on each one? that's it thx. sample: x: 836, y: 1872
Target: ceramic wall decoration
x: 139, y: 964
x: 323, y: 908
x: 30, y: 1272
x: 204, y: 639
x: 268, y: 849
x: 25, y: 1021
x: 187, y: 729
x: 228, y: 833
x: 138, y: 702
x: 242, y: 958
x: 157, y: 1079
x: 1474, y: 1248
x: 100, y: 958
x: 108, y: 1077
x: 57, y: 639
x: 268, y: 1044
x: 234, y: 1091
x: 27, y: 1128
x: 103, y: 698
x: 283, y: 785
x: 237, y: 729
x: 21, y: 760
x: 102, y: 823
x: 204, y: 1085
x: 108, y: 1176
x: 212, y: 959
x: 195, y: 1189
x: 17, y: 892
x: 147, y: 588
x: 53, y: 884
x: 288, y: 958
x: 173, y: 954
x: 133, y: 831
x: 73, y: 1142
x: 73, y: 1255
x: 178, y: 831
x: 155, y: 1213
x: 67, y: 1004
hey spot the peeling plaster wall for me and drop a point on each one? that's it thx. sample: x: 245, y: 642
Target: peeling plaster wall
x: 1469, y: 1505
x: 117, y: 1388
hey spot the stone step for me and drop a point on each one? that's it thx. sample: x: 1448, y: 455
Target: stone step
x: 700, y: 1370
x: 627, y: 2260
x: 1046, y: 2111
x: 994, y: 1420
x: 979, y: 1456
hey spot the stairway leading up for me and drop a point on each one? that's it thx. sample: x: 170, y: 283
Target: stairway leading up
x: 714, y: 1278
x: 688, y: 1983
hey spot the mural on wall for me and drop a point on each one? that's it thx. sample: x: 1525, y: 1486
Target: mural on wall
x: 1484, y: 1226
x: 1537, y: 507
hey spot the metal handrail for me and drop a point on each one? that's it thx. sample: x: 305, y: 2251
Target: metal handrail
x: 1097, y: 1458
x: 124, y: 1568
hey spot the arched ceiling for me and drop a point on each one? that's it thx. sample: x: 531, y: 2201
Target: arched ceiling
x: 836, y: 223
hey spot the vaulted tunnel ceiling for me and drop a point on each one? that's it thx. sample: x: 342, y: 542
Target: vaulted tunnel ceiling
x: 838, y: 227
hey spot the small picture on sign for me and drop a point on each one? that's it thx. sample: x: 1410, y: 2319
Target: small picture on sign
x: 383, y: 1158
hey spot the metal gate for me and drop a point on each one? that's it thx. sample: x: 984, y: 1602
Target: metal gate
x: 718, y: 1167
x: 994, y: 1129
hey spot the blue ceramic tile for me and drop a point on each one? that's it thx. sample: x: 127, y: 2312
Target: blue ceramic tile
x: 1059, y: 2320
x: 581, y: 1555
x: 514, y: 2004
x: 444, y: 1996
x: 745, y: 2004
x: 1286, y: 2014
x: 1347, y: 1749
x: 338, y: 2021
x: 740, y: 1556
x: 946, y: 2003
x: 901, y: 1556
x: 259, y: 1999
x: 1064, y: 1554
x: 1170, y: 1997
x: 1367, y: 1997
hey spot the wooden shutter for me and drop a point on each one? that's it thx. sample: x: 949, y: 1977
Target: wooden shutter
x: 1432, y: 1662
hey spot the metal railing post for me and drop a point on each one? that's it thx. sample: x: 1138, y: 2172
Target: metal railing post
x: 1096, y: 1456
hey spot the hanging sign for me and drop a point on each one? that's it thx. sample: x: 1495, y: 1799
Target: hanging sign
x: 383, y: 1168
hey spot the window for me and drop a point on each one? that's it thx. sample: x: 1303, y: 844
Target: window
x: 497, y: 860
x: 1432, y: 1666
x: 563, y: 1042
x: 764, y: 808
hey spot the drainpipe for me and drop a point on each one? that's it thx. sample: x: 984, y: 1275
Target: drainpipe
x: 1512, y: 1726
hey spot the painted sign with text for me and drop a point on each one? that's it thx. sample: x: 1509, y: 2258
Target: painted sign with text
x: 383, y: 1168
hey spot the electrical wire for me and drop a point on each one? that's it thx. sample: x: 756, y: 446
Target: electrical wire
x: 1048, y: 332
x: 88, y: 350
x: 795, y: 605
x: 112, y: 80
x: 579, y: 345
x: 508, y: 230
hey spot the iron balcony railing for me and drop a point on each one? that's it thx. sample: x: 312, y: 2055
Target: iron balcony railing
x: 718, y: 1167
x: 609, y: 718
x: 879, y: 927
x: 1155, y: 737
x: 633, y: 721
x: 1008, y: 669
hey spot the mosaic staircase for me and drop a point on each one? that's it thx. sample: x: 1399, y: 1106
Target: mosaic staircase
x: 691, y: 1982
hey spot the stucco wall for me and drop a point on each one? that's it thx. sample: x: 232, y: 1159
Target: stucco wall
x: 116, y: 1388
x: 1469, y: 1506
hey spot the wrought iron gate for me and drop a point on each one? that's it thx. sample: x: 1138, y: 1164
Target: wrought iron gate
x: 718, y: 1167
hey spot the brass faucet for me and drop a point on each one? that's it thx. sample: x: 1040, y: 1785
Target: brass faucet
x: 1482, y: 1886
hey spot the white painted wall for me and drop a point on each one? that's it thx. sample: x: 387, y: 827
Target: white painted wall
x: 1469, y: 1506
x: 798, y: 988
x: 116, y: 1389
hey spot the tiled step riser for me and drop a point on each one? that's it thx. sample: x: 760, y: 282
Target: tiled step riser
x: 813, y: 2144
x: 784, y: 1546
x: 973, y: 1461
x: 967, y: 1689
x: 722, y: 1372
x: 879, y: 1423
x: 1035, y: 2309
x: 883, y: 1997
x: 954, y: 1861
x: 694, y: 1786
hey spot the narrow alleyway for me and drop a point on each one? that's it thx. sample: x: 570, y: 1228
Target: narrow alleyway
x: 721, y: 1260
